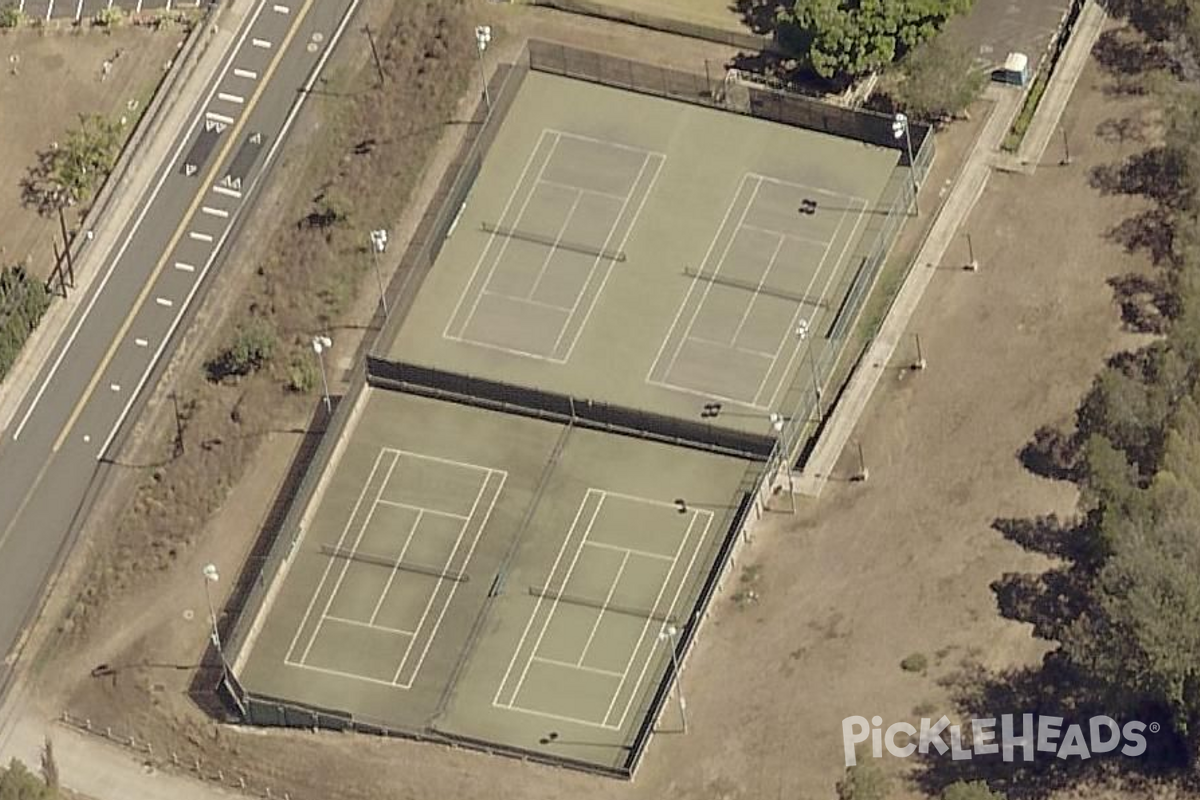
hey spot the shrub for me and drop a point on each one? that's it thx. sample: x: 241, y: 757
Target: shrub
x: 975, y: 790
x: 302, y: 374
x: 250, y: 350
x: 864, y: 781
x: 11, y: 17
x: 108, y: 17
x: 917, y: 662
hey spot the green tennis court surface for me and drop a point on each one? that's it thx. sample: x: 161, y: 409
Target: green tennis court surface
x: 494, y: 578
x: 647, y: 253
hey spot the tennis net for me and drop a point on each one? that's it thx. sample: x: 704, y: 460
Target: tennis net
x: 562, y: 408
x: 616, y: 608
x: 752, y: 286
x: 391, y: 563
x: 553, y: 241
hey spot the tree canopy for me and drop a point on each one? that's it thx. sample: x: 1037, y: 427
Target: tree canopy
x: 18, y: 783
x: 852, y: 37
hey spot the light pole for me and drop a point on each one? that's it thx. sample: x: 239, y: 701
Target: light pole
x: 668, y: 634
x: 802, y: 335
x: 900, y: 129
x: 379, y: 241
x: 483, y: 35
x: 212, y: 576
x: 319, y: 345
x: 777, y: 423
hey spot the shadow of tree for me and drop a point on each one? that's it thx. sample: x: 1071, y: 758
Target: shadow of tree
x: 1051, y: 453
x: 1121, y: 53
x: 38, y: 189
x: 1153, y: 173
x: 1056, y: 689
x: 1152, y: 230
x: 1147, y: 302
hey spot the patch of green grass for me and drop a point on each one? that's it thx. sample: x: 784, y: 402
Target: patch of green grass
x: 1016, y: 134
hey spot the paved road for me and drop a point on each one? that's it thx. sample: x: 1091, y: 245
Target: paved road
x: 57, y: 449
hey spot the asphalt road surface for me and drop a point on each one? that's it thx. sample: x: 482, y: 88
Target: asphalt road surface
x: 58, y: 448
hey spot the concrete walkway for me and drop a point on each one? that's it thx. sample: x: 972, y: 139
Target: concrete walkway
x: 968, y: 187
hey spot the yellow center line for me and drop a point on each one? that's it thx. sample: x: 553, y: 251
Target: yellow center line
x: 206, y: 181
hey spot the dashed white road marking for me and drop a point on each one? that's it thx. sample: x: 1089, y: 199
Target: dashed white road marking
x: 281, y: 9
x: 215, y: 117
x: 245, y: 73
x: 116, y: 387
x: 263, y: 43
x: 141, y: 342
x: 162, y: 301
x: 236, y: 99
x: 199, y: 237
x: 214, y: 212
x: 227, y: 192
x: 184, y: 267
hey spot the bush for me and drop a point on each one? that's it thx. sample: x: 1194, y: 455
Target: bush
x: 250, y: 350
x: 22, y: 303
x: 302, y: 374
x: 937, y: 81
x: 11, y: 17
x: 975, y: 790
x: 864, y: 781
x: 917, y: 662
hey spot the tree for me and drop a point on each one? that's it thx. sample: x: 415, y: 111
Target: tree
x: 18, y: 783
x: 975, y: 790
x: 937, y: 80
x: 49, y: 764
x: 82, y: 163
x: 840, y: 38
x: 251, y: 349
x: 863, y: 781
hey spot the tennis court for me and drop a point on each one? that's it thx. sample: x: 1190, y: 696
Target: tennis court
x: 486, y: 576
x: 647, y: 253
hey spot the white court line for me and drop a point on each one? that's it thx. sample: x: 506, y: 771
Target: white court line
x: 262, y: 43
x: 329, y: 564
x: 597, y: 192
x: 537, y: 644
x: 594, y: 140
x: 554, y: 248
x: 236, y: 99
x: 339, y: 673
x: 747, y: 350
x: 512, y: 196
x: 438, y: 584
x: 618, y: 548
x: 437, y: 625
x: 337, y: 585
x: 608, y: 266
x: 245, y: 73
x: 555, y: 662
x: 559, y: 717
x: 708, y: 288
x: 761, y: 229
x: 387, y: 587
x: 440, y: 460
x: 507, y: 240
x: 696, y: 280
x: 662, y: 626
x: 227, y: 192
x: 534, y: 303
x: 214, y: 212
x: 587, y: 645
x: 184, y: 267
x: 537, y: 605
x: 758, y: 291
x: 421, y: 509
x: 370, y: 625
x: 862, y: 215
x: 806, y: 187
